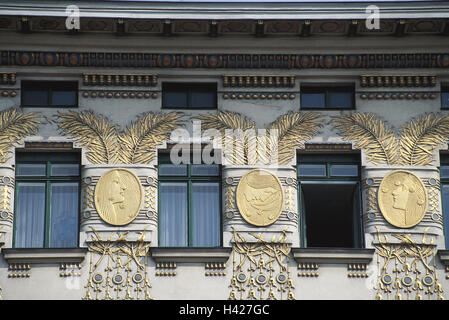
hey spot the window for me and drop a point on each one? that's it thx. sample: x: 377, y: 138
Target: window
x: 445, y: 96
x: 329, y: 200
x: 327, y: 97
x: 46, y: 200
x: 189, y: 96
x: 444, y: 180
x: 49, y: 94
x: 189, y: 204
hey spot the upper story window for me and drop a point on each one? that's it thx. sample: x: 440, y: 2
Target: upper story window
x: 329, y: 200
x: 327, y: 97
x: 49, y: 94
x: 46, y: 200
x: 189, y: 204
x: 189, y: 96
x: 445, y: 96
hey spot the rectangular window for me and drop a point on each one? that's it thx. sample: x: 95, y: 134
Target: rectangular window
x: 49, y: 94
x: 189, y: 96
x: 327, y: 97
x: 46, y: 200
x: 445, y: 96
x: 329, y: 200
x: 189, y: 204
x: 444, y: 180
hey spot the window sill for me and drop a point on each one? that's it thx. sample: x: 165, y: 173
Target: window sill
x: 333, y: 255
x: 44, y: 255
x: 177, y: 254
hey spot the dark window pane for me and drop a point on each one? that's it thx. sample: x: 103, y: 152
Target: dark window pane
x: 30, y: 215
x: 203, y: 99
x: 313, y: 100
x: 344, y: 170
x: 175, y: 99
x: 68, y: 169
x: 63, y: 98
x: 35, y: 97
x: 31, y: 169
x: 312, y: 170
x: 444, y: 171
x: 205, y: 170
x: 339, y: 100
x: 64, y: 215
x: 445, y: 99
x: 172, y: 169
x: 173, y: 223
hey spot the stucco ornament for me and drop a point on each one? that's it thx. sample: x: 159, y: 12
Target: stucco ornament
x: 118, y: 196
x: 260, y: 197
x: 402, y: 199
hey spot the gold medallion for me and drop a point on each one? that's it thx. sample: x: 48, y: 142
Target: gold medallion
x: 402, y: 198
x: 259, y: 197
x: 118, y: 196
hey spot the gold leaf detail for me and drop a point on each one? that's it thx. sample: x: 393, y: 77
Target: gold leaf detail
x: 420, y: 137
x: 93, y: 131
x: 371, y: 134
x: 294, y: 128
x: 15, y: 125
x: 138, y: 141
x: 225, y: 120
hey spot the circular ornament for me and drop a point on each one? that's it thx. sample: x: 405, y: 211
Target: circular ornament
x: 402, y: 198
x: 259, y: 197
x: 118, y: 196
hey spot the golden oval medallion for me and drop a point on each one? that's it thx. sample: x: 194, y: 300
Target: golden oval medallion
x: 402, y: 198
x: 260, y: 197
x: 118, y: 196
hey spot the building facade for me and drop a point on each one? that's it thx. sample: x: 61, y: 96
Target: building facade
x: 205, y: 151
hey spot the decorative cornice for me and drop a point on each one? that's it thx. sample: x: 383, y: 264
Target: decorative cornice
x: 223, y: 61
x: 113, y: 79
x: 283, y: 81
x: 403, y: 80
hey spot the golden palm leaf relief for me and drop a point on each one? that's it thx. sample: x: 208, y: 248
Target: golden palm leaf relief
x: 421, y: 136
x: 138, y: 141
x: 413, y: 146
x: 232, y: 127
x: 293, y: 129
x: 370, y: 134
x: 104, y: 142
x: 250, y: 147
x: 15, y: 125
x: 93, y: 131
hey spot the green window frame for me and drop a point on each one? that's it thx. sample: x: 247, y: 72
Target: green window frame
x: 185, y: 175
x: 327, y: 173
x: 444, y: 185
x: 54, y: 174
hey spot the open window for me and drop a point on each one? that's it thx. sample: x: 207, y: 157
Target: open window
x: 329, y: 198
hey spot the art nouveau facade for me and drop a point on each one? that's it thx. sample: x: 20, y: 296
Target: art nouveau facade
x: 353, y: 205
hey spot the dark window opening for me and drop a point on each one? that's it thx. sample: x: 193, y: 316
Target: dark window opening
x: 329, y: 200
x: 49, y: 94
x: 327, y: 97
x: 192, y: 96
